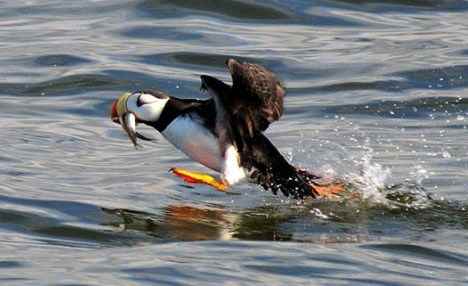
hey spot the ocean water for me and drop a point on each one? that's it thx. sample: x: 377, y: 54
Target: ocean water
x: 376, y: 97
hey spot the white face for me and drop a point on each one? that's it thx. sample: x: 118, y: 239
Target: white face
x: 146, y: 106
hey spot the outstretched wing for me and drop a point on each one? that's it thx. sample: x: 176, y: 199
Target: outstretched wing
x: 250, y: 105
x: 257, y: 95
x: 273, y: 172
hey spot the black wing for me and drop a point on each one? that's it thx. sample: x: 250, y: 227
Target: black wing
x: 244, y: 115
x: 254, y: 100
x: 273, y: 172
x: 257, y: 96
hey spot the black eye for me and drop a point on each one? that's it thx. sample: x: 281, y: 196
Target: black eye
x: 140, y: 102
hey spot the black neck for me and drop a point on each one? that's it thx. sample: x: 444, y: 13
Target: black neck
x: 177, y: 107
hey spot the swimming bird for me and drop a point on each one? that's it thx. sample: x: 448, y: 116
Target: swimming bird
x: 224, y: 132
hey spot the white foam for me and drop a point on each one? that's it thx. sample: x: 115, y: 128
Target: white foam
x: 371, y: 179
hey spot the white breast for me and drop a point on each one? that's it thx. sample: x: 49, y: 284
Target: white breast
x: 196, y: 141
x: 232, y: 171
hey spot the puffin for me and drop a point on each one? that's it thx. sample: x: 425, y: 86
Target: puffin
x: 225, y: 133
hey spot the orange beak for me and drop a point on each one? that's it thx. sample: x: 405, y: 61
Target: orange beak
x: 113, y: 114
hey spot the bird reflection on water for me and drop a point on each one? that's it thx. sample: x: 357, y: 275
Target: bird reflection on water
x: 323, y: 221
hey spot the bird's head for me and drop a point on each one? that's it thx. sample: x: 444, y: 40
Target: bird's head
x: 147, y: 106
x: 138, y: 107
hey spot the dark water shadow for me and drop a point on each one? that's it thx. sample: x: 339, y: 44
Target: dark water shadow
x: 406, y: 5
x: 73, y: 84
x: 201, y: 61
x: 50, y: 61
x: 241, y: 10
x: 107, y: 80
x: 68, y: 230
x: 442, y: 78
x: 155, y: 32
x: 418, y: 251
x: 418, y: 108
x: 60, y: 60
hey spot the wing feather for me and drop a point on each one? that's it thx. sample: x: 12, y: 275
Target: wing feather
x: 259, y: 95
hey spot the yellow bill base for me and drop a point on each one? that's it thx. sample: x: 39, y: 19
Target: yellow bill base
x: 122, y: 103
x: 200, y: 178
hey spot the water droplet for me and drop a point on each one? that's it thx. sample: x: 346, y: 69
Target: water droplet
x: 318, y: 213
x: 446, y: 155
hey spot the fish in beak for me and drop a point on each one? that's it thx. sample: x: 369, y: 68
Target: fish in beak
x: 127, y: 119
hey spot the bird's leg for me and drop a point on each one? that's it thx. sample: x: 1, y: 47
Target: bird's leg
x: 200, y: 178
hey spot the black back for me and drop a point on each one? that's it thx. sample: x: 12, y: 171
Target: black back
x: 205, y: 109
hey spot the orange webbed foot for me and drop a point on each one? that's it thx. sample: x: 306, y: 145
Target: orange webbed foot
x: 331, y: 190
x: 199, y: 178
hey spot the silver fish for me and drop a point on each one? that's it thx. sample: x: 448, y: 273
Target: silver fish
x: 128, y: 122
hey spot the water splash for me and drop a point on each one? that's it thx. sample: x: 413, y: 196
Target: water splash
x: 418, y: 174
x: 371, y: 179
x: 373, y: 182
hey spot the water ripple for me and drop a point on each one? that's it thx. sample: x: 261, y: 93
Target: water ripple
x: 235, y: 9
x: 431, y: 107
x: 60, y: 60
